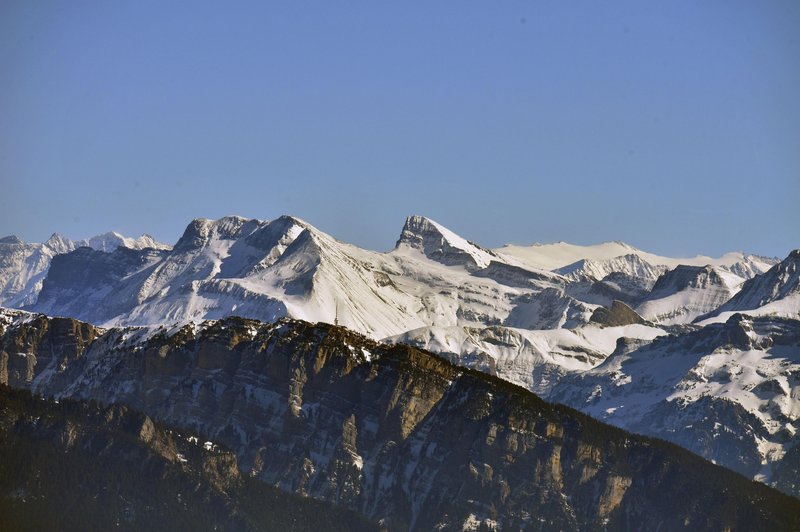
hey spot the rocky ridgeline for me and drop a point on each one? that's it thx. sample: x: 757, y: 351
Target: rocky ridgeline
x: 392, y: 432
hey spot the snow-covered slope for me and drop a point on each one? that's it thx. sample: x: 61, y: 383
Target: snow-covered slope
x: 631, y: 264
x: 442, y: 245
x: 267, y: 269
x: 774, y: 293
x: 729, y: 391
x: 562, y: 254
x: 23, y: 266
x: 683, y: 294
x: 433, y: 278
x: 110, y: 241
x: 626, y: 278
x: 536, y: 360
x: 22, y: 269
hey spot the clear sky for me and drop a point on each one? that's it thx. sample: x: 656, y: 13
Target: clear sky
x: 673, y: 126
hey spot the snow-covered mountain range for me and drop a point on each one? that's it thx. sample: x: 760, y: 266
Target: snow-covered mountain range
x: 561, y: 320
x: 728, y: 391
x: 23, y: 266
x: 433, y: 277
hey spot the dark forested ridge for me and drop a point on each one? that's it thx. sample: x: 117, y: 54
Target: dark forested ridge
x: 74, y: 465
x: 392, y: 432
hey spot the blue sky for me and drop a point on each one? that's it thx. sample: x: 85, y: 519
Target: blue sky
x: 674, y: 126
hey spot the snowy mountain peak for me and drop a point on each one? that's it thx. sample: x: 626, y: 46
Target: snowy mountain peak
x: 629, y: 264
x: 108, y: 242
x: 684, y: 277
x: 201, y: 230
x: 775, y: 292
x: 442, y: 245
x: 59, y: 243
x: 622, y: 244
x: 686, y: 292
x: 11, y: 239
x: 274, y: 236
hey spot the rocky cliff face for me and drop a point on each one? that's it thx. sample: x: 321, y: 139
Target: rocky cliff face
x: 618, y: 314
x: 75, y: 465
x: 390, y: 431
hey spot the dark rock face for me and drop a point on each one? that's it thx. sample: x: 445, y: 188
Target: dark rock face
x: 787, y: 474
x: 401, y: 435
x: 53, y: 343
x: 618, y: 314
x: 683, y: 277
x: 77, y: 466
x: 627, y: 288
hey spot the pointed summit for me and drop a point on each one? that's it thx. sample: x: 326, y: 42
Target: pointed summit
x: 683, y: 294
x: 60, y: 244
x: 630, y: 264
x: 442, y: 245
x: 776, y: 291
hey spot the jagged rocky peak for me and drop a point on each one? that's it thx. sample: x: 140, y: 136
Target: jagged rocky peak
x: 618, y: 314
x: 777, y: 290
x: 442, y: 245
x: 630, y: 264
x: 201, y: 230
x: 788, y: 266
x: 739, y: 332
x: 11, y: 239
x: 686, y: 292
x: 278, y: 232
x: 751, y: 265
x: 683, y: 277
x: 59, y: 243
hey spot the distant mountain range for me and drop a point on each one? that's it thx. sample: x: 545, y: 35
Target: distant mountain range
x: 433, y: 277
x: 653, y: 344
x: 23, y: 266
